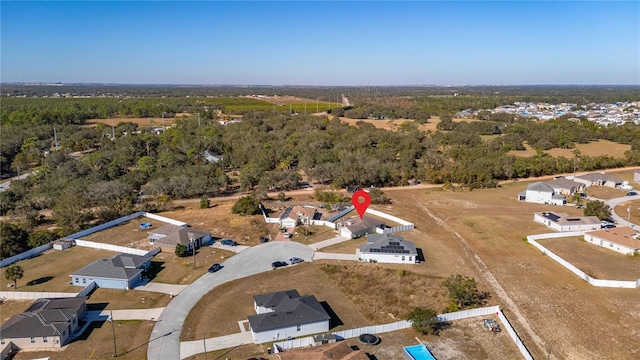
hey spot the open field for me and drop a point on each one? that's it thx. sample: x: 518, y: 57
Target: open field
x: 596, y: 148
x: 141, y: 122
x: 605, y: 192
x: 430, y: 126
x: 50, y: 270
x: 594, y: 260
x: 97, y: 343
x: 532, y: 290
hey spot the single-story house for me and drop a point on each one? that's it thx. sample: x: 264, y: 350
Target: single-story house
x: 333, y: 351
x: 297, y: 215
x: 564, y: 186
x: 212, y: 157
x: 285, y: 314
x: 541, y: 193
x: 47, y: 323
x: 636, y: 176
x: 355, y: 227
x: 123, y: 271
x: 624, y: 239
x: 169, y: 235
x: 388, y: 248
x: 598, y: 179
x: 564, y: 222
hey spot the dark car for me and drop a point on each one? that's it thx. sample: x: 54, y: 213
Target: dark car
x: 215, y: 267
x: 277, y: 264
x: 264, y: 239
x: 228, y: 242
x: 632, y: 193
x: 295, y: 260
x: 608, y: 226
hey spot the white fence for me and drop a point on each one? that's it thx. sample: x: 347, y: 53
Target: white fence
x: 514, y: 336
x: 116, y: 248
x: 26, y: 295
x: 164, y: 219
x: 87, y: 289
x: 389, y: 217
x: 595, y: 282
x: 397, y: 229
x: 25, y: 255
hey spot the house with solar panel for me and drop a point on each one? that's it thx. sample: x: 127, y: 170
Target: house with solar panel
x: 564, y: 222
x: 123, y: 272
x: 388, y: 248
x: 285, y: 314
x: 47, y: 323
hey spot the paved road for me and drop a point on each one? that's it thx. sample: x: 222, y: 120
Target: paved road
x: 617, y: 201
x: 5, y: 185
x: 165, y: 343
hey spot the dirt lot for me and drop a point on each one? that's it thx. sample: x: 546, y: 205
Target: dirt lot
x: 596, y: 148
x: 430, y: 126
x: 605, y: 192
x: 97, y: 343
x: 142, y: 122
x: 111, y: 299
x: 594, y: 260
x: 491, y: 225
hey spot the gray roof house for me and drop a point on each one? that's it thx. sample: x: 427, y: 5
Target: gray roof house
x: 542, y: 193
x: 388, y: 248
x: 47, y: 323
x: 286, y: 314
x: 564, y: 186
x: 169, y: 235
x: 123, y: 271
x: 598, y: 179
x: 355, y: 227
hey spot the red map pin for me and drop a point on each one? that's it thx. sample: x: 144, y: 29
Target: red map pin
x: 361, y: 201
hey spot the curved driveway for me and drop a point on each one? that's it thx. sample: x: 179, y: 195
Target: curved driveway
x: 617, y: 201
x: 165, y: 338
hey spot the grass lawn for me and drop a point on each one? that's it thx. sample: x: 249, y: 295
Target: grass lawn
x: 594, y: 260
x: 315, y: 234
x: 605, y: 192
x: 345, y: 247
x: 111, y: 299
x: 50, y: 270
x: 225, y: 305
x: 8, y: 308
x: 127, y: 234
x: 132, y: 338
x: 170, y: 269
x: 595, y: 148
x: 633, y: 214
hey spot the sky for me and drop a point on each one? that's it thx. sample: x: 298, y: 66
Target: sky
x: 367, y: 43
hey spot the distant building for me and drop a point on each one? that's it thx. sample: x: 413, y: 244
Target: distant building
x: 285, y: 314
x: 564, y: 222
x: 624, y: 240
x: 598, y: 179
x: 47, y: 323
x: 388, y: 248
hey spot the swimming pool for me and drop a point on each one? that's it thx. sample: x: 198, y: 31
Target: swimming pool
x: 417, y: 352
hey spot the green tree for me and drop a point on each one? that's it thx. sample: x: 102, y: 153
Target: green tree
x: 204, y: 202
x: 246, y: 205
x: 38, y: 238
x: 378, y: 196
x: 181, y: 250
x: 424, y: 321
x: 14, y: 273
x: 463, y: 290
x: 597, y: 208
x: 13, y: 240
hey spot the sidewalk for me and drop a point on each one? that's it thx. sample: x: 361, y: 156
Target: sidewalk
x: 190, y: 348
x: 335, y: 256
x: 127, y: 314
x: 236, y: 249
x: 161, y: 288
x: 328, y: 242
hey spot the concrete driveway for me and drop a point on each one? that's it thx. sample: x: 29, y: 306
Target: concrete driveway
x: 165, y: 337
x: 189, y: 348
x: 322, y: 244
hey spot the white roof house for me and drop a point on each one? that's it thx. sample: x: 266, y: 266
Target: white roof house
x: 624, y: 239
x: 564, y: 222
x: 388, y: 248
x: 541, y: 193
x: 598, y: 179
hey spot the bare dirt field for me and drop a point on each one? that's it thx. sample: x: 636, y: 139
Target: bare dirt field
x: 597, y: 148
x: 594, y: 260
x: 480, y: 233
x: 430, y: 126
x: 97, y: 343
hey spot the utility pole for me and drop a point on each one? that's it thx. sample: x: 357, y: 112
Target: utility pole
x: 193, y: 250
x: 113, y: 328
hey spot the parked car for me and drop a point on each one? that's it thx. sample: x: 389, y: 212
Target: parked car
x: 287, y: 235
x: 228, y: 242
x: 608, y: 226
x: 277, y: 264
x: 295, y: 260
x: 632, y: 193
x: 264, y: 239
x: 215, y: 267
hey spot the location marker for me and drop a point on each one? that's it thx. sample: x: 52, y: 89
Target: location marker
x: 361, y: 201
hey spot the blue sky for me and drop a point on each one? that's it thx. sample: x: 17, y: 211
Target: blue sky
x: 321, y: 43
